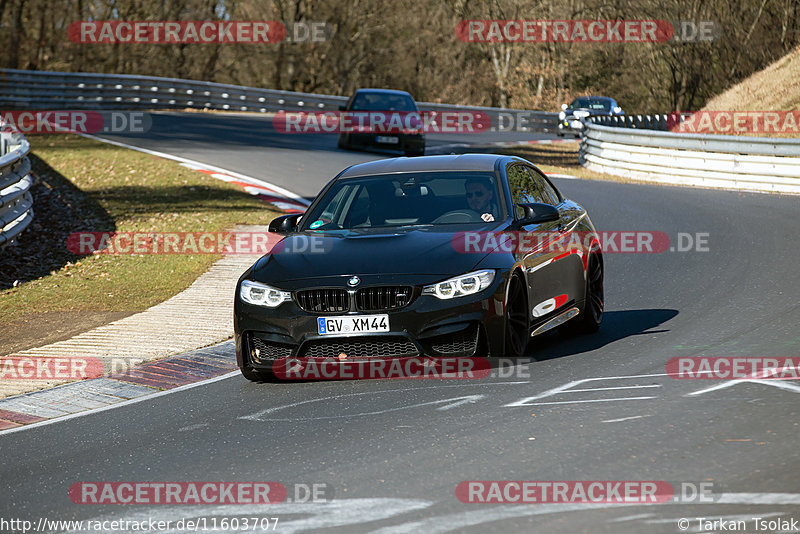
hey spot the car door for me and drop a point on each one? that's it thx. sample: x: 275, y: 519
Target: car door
x: 545, y: 255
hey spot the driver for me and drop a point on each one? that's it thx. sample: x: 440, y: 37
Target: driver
x: 480, y: 197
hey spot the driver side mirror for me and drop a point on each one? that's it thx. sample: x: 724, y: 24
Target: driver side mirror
x: 537, y: 213
x: 285, y: 223
x: 564, y: 107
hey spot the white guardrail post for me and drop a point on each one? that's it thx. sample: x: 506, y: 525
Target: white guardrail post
x: 628, y: 147
x: 16, y: 202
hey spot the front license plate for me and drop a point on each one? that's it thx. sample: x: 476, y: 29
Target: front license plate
x: 576, y: 124
x: 349, y: 325
x: 391, y: 140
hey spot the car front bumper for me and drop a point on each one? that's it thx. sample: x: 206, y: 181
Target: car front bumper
x: 571, y: 126
x: 465, y: 326
x: 405, y: 142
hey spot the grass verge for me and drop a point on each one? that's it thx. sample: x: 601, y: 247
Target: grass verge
x: 84, y: 185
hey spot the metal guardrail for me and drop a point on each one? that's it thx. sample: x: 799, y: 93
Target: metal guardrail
x: 16, y: 201
x: 629, y: 148
x: 642, y: 122
x: 23, y: 89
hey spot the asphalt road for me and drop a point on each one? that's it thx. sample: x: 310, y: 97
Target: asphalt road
x: 596, y: 407
x: 248, y: 144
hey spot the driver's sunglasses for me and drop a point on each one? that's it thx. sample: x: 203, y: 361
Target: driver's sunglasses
x: 475, y: 194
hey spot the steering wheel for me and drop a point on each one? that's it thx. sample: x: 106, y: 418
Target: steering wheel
x: 458, y: 216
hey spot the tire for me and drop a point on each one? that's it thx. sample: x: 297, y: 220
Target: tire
x: 341, y: 144
x: 517, y: 319
x: 253, y: 375
x: 591, y: 316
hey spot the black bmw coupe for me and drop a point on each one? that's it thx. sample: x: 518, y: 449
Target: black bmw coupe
x: 434, y: 256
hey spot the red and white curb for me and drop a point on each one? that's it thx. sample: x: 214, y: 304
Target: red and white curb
x: 167, y: 375
x: 281, y: 198
x: 147, y: 336
x: 268, y: 193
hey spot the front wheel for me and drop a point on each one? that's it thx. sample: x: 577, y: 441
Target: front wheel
x: 253, y: 375
x: 517, y: 324
x: 591, y: 317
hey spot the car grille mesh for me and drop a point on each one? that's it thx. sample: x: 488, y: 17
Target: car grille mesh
x: 367, y: 299
x: 382, y: 298
x: 263, y: 349
x: 365, y: 347
x: 463, y: 343
x: 324, y: 300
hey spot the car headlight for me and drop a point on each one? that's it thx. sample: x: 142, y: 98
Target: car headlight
x: 459, y: 286
x: 562, y: 115
x: 580, y: 114
x: 262, y: 294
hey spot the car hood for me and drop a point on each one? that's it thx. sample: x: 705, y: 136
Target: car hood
x: 589, y: 111
x: 366, y: 252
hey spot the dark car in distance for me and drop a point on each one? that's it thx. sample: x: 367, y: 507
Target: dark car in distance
x: 392, y: 278
x: 384, y: 101
x: 570, y: 119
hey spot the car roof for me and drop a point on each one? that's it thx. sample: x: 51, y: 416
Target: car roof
x: 383, y: 91
x: 462, y: 162
x: 595, y: 97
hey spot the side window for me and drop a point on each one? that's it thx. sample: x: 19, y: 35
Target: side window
x: 523, y: 187
x: 547, y: 192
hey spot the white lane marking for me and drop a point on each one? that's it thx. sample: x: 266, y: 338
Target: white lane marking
x: 336, y: 513
x: 566, y: 387
x: 614, y: 388
x: 455, y: 401
x: 469, y: 399
x: 589, y: 400
x: 463, y: 519
x: 197, y: 165
x: 781, y: 384
x: 197, y: 384
x: 255, y: 416
x: 624, y: 419
x: 120, y: 404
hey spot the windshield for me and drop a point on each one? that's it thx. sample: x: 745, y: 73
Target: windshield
x: 408, y: 199
x: 382, y: 102
x: 600, y: 104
